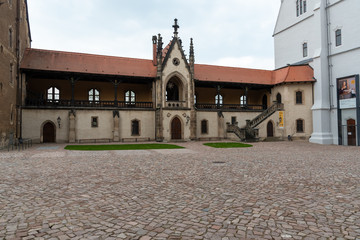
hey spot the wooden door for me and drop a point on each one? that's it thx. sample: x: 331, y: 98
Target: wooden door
x: 49, y: 133
x: 176, y: 128
x: 270, y: 129
x: 351, y: 132
x: 264, y: 102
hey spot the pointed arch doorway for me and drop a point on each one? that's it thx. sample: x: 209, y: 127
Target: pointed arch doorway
x: 270, y: 129
x: 176, y: 129
x: 48, y: 133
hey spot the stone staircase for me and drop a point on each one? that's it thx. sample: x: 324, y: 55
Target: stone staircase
x: 250, y: 133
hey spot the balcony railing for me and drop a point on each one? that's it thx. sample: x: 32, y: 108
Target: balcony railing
x: 175, y: 104
x: 87, y: 103
x: 235, y: 107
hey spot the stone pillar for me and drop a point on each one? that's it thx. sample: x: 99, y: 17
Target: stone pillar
x: 116, y: 130
x: 72, y: 134
x: 193, y: 124
x: 221, y: 125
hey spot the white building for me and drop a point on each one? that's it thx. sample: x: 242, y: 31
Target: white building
x: 325, y: 34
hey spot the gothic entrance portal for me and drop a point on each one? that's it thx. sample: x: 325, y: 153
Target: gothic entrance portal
x: 351, y: 132
x: 176, y: 128
x: 49, y: 133
x: 270, y: 129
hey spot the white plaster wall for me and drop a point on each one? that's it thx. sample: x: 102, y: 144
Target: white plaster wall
x: 169, y: 116
x: 212, y: 119
x: 147, y: 124
x: 34, y: 118
x: 84, y: 130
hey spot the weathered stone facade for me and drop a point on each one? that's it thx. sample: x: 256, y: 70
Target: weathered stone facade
x: 14, y: 39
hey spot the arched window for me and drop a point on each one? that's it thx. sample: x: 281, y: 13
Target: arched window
x: 219, y: 99
x: 195, y: 98
x: 94, y: 95
x: 130, y: 97
x: 278, y: 98
x: 53, y: 94
x: 172, y: 91
x: 299, y: 99
x: 243, y: 100
x: 135, y: 127
x: 204, y: 127
x: 10, y: 37
x: 299, y: 125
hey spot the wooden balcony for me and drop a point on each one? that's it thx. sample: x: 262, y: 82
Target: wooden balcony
x: 85, y: 104
x: 228, y: 107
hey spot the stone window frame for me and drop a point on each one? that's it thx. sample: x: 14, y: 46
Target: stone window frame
x: 296, y: 97
x: 132, y: 127
x: 297, y: 124
x: 11, y: 37
x: 94, y: 124
x: 204, y: 126
x: 11, y: 73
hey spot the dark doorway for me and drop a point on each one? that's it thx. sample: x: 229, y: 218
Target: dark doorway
x: 351, y: 132
x: 278, y: 98
x: 176, y: 128
x: 264, y: 102
x: 172, y: 91
x: 49, y: 133
x: 270, y: 129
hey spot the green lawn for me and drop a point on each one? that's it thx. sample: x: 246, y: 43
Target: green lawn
x: 121, y: 147
x: 227, y: 145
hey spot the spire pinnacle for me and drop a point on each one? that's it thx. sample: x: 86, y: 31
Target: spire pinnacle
x: 176, y: 27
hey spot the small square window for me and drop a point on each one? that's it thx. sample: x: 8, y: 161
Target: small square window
x: 94, y: 122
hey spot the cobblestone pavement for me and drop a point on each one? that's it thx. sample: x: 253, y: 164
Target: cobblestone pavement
x: 282, y: 190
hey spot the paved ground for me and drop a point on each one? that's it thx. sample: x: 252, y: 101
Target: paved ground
x: 286, y: 190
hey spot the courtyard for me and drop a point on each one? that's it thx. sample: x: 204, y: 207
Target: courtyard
x: 273, y: 190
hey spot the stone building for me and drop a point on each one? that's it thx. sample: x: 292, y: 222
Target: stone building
x: 76, y: 97
x: 14, y: 39
x: 326, y: 35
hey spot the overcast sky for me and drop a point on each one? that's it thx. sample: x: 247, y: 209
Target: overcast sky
x: 225, y: 32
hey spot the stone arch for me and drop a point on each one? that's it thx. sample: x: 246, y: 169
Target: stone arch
x: 270, y: 129
x: 181, y: 83
x: 46, y: 124
x: 176, y: 128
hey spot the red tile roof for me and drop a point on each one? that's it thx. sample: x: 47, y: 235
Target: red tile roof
x: 46, y: 60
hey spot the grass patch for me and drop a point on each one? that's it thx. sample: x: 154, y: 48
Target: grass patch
x: 228, y: 145
x: 121, y: 147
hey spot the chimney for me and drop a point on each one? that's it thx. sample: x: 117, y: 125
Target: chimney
x: 154, y: 40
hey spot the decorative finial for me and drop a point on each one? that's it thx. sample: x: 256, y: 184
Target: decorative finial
x: 191, y: 47
x: 176, y: 27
